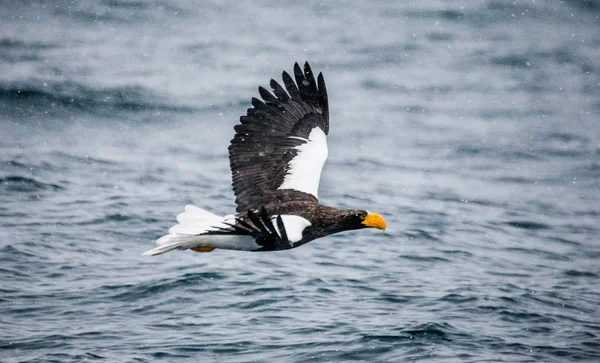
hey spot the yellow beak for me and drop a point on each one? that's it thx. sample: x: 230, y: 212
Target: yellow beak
x: 374, y: 220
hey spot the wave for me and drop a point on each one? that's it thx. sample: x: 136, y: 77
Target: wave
x: 119, y: 11
x: 135, y: 292
x: 527, y: 224
x: 14, y: 183
x: 16, y: 51
x: 33, y: 99
x: 588, y: 5
x: 433, y: 332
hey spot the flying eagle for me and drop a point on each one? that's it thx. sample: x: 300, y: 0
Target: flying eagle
x: 276, y: 158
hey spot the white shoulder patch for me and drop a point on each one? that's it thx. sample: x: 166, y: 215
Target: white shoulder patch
x: 305, y: 169
x: 294, y: 226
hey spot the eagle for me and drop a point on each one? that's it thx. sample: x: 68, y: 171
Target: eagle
x: 276, y: 158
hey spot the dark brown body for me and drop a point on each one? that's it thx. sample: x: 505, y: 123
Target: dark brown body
x: 324, y: 220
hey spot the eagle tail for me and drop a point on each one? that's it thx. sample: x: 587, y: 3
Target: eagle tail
x: 198, y: 230
x: 184, y: 235
x: 172, y: 242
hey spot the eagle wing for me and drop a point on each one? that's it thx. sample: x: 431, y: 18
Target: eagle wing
x: 280, y: 146
x: 269, y: 232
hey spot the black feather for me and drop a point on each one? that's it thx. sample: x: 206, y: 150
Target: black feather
x: 279, y: 91
x: 260, y: 151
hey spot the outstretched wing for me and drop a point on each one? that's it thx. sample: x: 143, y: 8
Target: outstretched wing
x: 280, y: 146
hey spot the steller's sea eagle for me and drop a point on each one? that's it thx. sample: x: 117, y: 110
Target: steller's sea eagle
x: 276, y: 158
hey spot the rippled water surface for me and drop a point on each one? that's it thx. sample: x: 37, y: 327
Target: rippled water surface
x: 473, y: 127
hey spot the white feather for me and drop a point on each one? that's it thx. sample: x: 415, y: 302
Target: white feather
x: 298, y: 138
x: 172, y: 242
x: 294, y: 226
x: 196, y: 221
x: 305, y: 168
x: 188, y: 233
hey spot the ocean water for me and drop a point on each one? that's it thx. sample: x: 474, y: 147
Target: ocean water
x: 472, y: 126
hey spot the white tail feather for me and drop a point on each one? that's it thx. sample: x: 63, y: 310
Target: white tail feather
x: 172, y: 242
x: 191, y: 229
x: 194, y: 221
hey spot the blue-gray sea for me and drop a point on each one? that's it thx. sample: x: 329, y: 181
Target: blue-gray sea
x: 472, y: 126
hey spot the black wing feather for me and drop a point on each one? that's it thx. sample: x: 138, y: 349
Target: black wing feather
x: 260, y: 152
x: 268, y: 97
x: 279, y: 91
x: 282, y: 230
x: 306, y: 84
x: 323, y: 101
x: 291, y: 87
x: 261, y: 227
